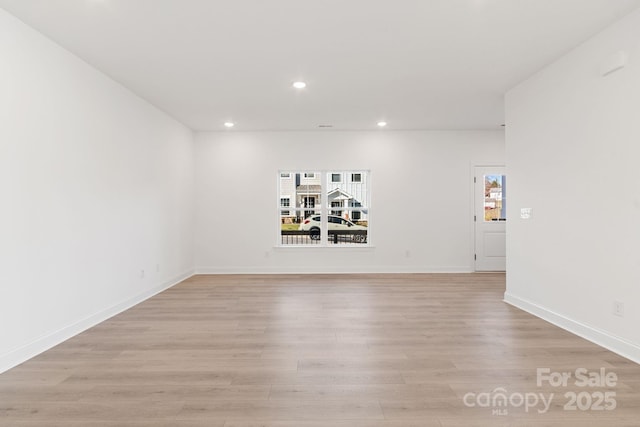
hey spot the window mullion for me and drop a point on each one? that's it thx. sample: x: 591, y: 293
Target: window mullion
x: 324, y: 241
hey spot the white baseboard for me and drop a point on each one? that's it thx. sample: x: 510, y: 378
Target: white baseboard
x: 616, y: 344
x: 22, y: 354
x: 331, y: 270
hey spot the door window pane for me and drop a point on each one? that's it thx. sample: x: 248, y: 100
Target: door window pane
x: 495, y: 198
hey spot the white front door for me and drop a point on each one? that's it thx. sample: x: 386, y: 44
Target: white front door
x: 490, y: 189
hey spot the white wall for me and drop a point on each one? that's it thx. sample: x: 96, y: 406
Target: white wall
x: 421, y: 198
x: 573, y: 150
x: 95, y: 185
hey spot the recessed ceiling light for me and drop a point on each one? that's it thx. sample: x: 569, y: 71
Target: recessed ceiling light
x: 382, y: 124
x: 299, y: 85
x: 229, y: 124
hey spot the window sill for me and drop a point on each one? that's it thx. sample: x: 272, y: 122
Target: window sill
x: 364, y: 248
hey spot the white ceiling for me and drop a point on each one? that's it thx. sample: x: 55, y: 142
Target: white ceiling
x: 418, y: 64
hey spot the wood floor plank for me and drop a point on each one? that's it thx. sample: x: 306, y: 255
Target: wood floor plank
x: 362, y: 350
x: 284, y: 410
x: 333, y: 423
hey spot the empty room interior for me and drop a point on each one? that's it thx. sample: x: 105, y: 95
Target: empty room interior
x: 309, y: 214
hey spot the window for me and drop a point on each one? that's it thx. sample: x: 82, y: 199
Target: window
x: 285, y: 202
x: 324, y: 209
x: 495, y: 194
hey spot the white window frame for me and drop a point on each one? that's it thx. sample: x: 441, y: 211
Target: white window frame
x: 325, y: 206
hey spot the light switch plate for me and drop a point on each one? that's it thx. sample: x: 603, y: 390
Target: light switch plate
x: 525, y: 213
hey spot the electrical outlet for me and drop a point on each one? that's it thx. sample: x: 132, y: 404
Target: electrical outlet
x: 618, y: 308
x: 142, y: 274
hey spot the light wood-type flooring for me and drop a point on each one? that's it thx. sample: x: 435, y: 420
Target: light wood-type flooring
x: 321, y: 351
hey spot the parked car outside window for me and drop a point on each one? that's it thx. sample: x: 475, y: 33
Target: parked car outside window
x: 312, y: 225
